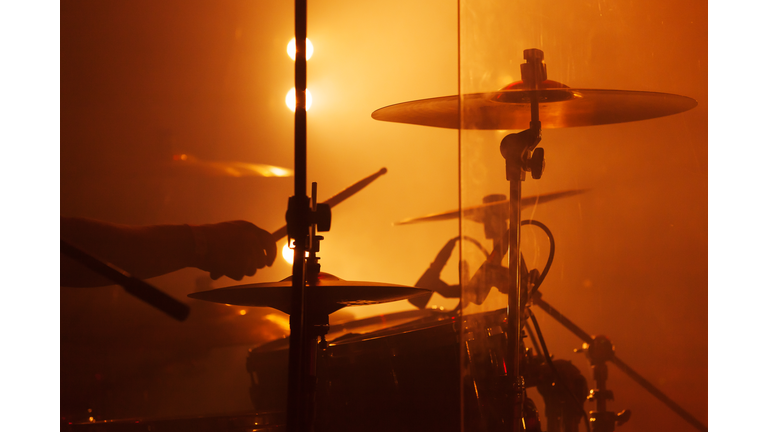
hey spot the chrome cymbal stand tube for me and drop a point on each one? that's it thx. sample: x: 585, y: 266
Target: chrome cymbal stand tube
x: 518, y: 151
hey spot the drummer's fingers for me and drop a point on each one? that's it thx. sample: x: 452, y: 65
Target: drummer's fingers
x: 265, y: 245
x: 236, y: 270
x: 268, y: 246
x: 251, y: 264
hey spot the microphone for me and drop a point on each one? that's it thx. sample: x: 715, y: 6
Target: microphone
x: 491, y: 273
x: 431, y: 278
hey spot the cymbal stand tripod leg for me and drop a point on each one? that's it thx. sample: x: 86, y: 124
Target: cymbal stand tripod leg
x: 605, y: 352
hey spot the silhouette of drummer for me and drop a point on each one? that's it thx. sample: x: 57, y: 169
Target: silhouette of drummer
x: 233, y: 249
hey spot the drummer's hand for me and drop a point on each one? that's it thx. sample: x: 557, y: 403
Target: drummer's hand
x: 233, y: 249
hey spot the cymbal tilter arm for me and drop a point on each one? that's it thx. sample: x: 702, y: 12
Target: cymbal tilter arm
x: 518, y: 151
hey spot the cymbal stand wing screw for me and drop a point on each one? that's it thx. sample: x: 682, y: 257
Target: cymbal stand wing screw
x: 536, y: 163
x: 322, y: 217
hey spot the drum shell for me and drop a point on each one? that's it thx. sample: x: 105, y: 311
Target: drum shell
x: 406, y: 380
x: 268, y: 369
x: 403, y: 378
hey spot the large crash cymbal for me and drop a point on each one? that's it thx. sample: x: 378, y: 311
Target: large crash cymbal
x: 559, y: 107
x: 329, y: 295
x: 478, y: 213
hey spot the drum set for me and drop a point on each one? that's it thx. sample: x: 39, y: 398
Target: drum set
x: 445, y: 371
x: 438, y: 369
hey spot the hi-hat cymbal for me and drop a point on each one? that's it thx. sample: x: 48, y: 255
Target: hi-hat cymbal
x: 510, y: 108
x: 329, y: 295
x: 477, y: 213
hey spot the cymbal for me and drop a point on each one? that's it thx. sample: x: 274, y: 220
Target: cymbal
x: 510, y: 108
x: 329, y: 295
x: 361, y: 326
x: 477, y: 213
x: 227, y: 169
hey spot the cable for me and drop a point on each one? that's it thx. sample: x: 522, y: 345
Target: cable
x: 554, y: 371
x: 551, y: 253
x: 535, y: 343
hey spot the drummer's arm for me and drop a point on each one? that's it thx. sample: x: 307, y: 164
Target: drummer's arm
x: 234, y: 249
x: 142, y: 251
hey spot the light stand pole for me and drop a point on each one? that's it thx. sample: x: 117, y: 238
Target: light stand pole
x: 298, y: 221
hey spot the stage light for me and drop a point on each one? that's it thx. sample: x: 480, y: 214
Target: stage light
x: 292, y: 49
x: 290, y: 99
x: 288, y: 254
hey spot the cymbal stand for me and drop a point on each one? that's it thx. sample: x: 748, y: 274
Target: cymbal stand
x: 313, y: 322
x: 518, y: 151
x: 602, y: 420
x: 602, y: 352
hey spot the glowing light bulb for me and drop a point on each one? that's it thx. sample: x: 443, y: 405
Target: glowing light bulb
x: 292, y: 49
x: 288, y: 254
x: 290, y: 99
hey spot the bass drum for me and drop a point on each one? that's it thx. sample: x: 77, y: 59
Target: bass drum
x: 404, y: 378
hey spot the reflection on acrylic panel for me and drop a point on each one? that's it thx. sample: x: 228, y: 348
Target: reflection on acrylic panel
x: 142, y: 81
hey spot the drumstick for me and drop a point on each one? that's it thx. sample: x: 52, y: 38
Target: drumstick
x: 336, y: 199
